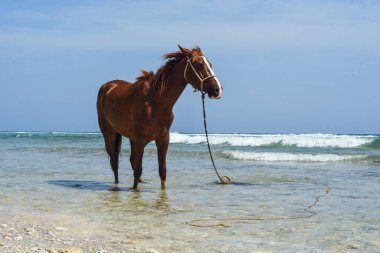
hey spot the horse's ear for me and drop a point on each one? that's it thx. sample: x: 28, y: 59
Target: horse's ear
x: 184, y: 50
x: 181, y: 48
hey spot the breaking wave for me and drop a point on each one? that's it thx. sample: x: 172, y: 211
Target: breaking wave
x: 296, y: 140
x: 249, y: 140
x: 291, y: 157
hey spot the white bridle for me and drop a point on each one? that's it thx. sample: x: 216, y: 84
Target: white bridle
x: 212, y: 75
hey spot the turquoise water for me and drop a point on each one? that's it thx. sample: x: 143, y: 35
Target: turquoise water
x: 271, y: 206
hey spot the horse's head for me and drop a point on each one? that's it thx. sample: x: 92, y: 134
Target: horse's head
x: 198, y: 72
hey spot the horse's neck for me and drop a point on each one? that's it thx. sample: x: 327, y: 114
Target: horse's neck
x: 174, y: 88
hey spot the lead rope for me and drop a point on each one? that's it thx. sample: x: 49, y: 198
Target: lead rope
x: 223, y: 179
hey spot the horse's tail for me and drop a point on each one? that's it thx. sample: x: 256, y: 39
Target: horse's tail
x: 104, y: 92
x: 100, y: 104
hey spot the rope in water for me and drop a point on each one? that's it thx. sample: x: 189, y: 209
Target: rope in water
x: 223, y: 179
x: 193, y: 223
x: 306, y: 215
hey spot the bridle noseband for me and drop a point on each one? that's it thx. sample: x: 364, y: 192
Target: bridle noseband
x: 195, y: 72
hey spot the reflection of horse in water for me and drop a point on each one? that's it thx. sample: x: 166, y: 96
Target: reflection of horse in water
x: 143, y: 111
x: 160, y: 203
x: 133, y: 202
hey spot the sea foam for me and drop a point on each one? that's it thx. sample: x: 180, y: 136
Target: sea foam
x: 297, y: 140
x: 290, y: 157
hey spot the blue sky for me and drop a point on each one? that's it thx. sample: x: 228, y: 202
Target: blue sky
x: 286, y: 66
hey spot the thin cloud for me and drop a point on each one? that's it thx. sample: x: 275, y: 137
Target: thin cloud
x: 240, y: 25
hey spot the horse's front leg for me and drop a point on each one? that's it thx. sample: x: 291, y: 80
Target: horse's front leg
x: 137, y: 161
x: 162, y: 148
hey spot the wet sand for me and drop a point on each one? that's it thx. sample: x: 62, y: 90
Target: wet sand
x: 38, y: 235
x: 45, y: 235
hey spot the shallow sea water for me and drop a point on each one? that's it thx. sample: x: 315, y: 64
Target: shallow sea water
x: 65, y: 181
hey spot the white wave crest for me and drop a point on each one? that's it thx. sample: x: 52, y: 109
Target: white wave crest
x: 290, y: 157
x: 257, y: 140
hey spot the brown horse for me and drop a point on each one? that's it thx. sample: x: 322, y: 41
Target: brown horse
x: 142, y: 111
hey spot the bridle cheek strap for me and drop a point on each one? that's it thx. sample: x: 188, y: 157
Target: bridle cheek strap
x: 198, y: 76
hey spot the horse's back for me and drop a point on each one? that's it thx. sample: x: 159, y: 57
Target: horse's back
x: 107, y: 87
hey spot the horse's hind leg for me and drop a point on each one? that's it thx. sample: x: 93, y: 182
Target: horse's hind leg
x: 113, y: 145
x: 132, y: 156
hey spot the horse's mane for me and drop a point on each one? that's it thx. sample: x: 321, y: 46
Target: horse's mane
x: 145, y: 76
x: 161, y: 78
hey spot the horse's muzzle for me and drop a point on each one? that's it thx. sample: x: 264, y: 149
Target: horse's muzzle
x: 215, y: 93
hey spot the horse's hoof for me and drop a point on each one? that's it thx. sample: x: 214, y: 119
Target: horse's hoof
x: 135, y: 185
x: 163, y: 184
x: 115, y: 189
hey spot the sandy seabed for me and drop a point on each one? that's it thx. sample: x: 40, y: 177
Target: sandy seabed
x: 38, y: 235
